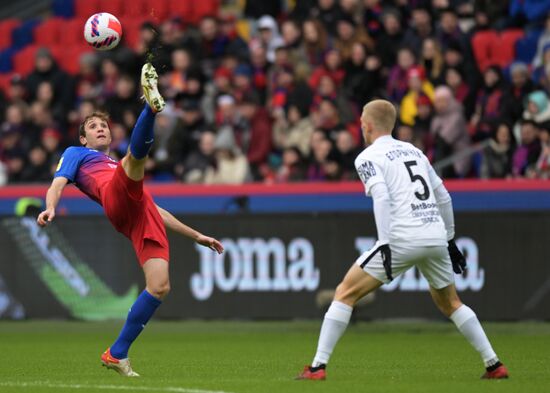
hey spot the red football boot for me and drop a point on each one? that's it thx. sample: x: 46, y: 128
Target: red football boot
x: 498, y: 373
x: 317, y: 375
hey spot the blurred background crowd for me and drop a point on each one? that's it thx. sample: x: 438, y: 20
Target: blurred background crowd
x: 272, y: 91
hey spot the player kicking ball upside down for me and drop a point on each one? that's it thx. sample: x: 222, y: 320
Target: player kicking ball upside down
x: 415, y: 225
x: 118, y: 187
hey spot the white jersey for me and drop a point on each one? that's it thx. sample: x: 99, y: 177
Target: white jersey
x: 411, y: 180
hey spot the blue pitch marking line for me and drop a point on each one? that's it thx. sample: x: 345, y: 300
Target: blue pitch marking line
x: 296, y: 203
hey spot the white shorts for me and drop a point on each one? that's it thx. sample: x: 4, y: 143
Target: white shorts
x: 433, y: 262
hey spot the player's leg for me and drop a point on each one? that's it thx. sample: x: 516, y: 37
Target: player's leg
x: 356, y: 284
x: 465, y: 319
x: 142, y: 137
x: 157, y: 286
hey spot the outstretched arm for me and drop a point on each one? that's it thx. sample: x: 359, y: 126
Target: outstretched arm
x: 177, y: 226
x: 52, y: 199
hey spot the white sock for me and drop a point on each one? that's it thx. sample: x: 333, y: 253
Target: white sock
x: 335, y: 323
x: 466, y: 321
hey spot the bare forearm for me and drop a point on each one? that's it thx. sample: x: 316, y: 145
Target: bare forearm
x: 177, y: 226
x: 53, y: 196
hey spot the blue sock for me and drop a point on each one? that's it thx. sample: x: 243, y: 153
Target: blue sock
x: 140, y: 312
x: 143, y: 134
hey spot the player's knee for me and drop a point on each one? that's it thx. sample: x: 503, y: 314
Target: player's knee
x: 160, y: 290
x: 449, y: 306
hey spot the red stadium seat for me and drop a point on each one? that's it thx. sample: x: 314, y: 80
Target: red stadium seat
x: 158, y: 11
x: 72, y: 32
x: 504, y: 50
x: 5, y: 80
x: 205, y: 8
x: 6, y: 27
x: 86, y: 8
x: 134, y: 8
x: 483, y: 46
x: 113, y: 7
x: 48, y: 33
x: 182, y: 9
x: 70, y: 60
x: 23, y: 61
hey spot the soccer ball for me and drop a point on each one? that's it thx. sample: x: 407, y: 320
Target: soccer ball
x: 103, y: 31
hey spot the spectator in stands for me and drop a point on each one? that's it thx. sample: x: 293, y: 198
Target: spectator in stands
x: 121, y: 142
x: 292, y: 38
x: 543, y: 163
x: 449, y: 30
x: 346, y: 151
x: 148, y: 42
x: 232, y: 41
x: 537, y: 107
x: 190, y: 127
x: 332, y: 67
x: 16, y: 91
x: 327, y: 119
x: 258, y: 135
x: 418, y: 85
x: 193, y: 169
x: 40, y: 118
x: 397, y: 78
x: 316, y: 41
x: 269, y: 36
x: 327, y: 90
x: 328, y: 12
x: 528, y: 152
x: 231, y: 166
x: 124, y: 105
x: 496, y: 159
x: 260, y: 70
x: 388, y: 41
x: 175, y: 82
x: 420, y: 29
x: 160, y: 163
x: 462, y: 92
x: 46, y: 70
x: 292, y: 168
x: 431, y: 59
x: 489, y: 105
x: 293, y: 129
x: 45, y: 94
x: 374, y: 17
x: 12, y: 151
x: 516, y: 93
x: 323, y: 165
x: 422, y: 137
x: 354, y: 69
x: 347, y: 34
x: 87, y: 83
x: 109, y: 76
x: 449, y: 130
x: 542, y: 44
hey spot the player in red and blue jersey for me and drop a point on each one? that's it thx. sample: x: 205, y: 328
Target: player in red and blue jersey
x: 118, y: 187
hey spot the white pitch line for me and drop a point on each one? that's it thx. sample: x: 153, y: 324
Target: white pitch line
x: 106, y: 387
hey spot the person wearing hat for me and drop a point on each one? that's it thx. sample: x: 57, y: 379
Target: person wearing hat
x: 418, y: 85
x: 537, y: 107
x: 269, y: 36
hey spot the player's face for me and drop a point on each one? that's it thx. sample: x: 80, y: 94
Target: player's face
x: 98, y: 134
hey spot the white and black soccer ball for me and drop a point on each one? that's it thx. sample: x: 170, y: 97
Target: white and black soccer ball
x: 103, y: 31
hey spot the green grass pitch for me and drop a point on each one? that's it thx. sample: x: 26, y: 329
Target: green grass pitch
x: 250, y: 357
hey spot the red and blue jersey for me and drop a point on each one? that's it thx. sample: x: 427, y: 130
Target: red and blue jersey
x: 90, y: 170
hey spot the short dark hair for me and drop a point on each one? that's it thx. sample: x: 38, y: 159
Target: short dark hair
x: 101, y: 115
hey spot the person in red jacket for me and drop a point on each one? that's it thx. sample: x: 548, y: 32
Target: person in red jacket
x: 260, y: 129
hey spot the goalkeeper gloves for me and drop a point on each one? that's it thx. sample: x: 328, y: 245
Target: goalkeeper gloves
x: 385, y: 252
x: 458, y: 260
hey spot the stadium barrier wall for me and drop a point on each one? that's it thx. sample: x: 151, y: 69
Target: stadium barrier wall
x: 275, y: 266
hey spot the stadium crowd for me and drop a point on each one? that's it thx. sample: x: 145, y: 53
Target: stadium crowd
x: 279, y: 100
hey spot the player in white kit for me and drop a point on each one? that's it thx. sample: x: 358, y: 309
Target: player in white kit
x: 415, y: 225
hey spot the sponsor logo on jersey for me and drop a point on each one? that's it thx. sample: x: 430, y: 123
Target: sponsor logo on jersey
x: 366, y: 170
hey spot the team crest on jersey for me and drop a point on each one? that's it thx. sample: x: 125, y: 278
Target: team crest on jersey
x: 366, y: 170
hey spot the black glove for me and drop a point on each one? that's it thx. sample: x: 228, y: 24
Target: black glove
x: 385, y: 252
x: 458, y: 260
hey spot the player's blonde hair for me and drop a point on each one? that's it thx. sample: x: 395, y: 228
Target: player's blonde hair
x: 381, y: 114
x: 100, y: 115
